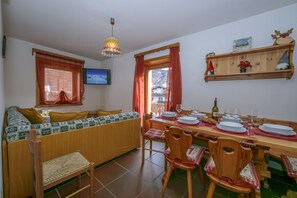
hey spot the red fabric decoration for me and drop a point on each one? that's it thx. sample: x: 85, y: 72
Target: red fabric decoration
x: 174, y: 81
x: 138, y: 89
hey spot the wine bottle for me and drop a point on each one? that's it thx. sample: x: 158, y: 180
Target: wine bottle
x: 215, y: 110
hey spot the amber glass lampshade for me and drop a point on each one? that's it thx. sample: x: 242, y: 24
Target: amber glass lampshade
x: 111, y: 47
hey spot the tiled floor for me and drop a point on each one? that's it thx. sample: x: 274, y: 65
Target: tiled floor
x: 124, y: 177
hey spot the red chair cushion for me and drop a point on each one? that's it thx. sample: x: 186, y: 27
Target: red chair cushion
x: 290, y: 164
x: 155, y: 134
x: 248, y: 174
x: 194, y: 154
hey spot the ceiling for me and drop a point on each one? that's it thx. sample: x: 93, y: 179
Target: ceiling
x: 81, y: 26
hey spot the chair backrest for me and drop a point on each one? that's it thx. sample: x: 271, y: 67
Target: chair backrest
x: 230, y: 157
x: 35, y: 151
x: 146, y: 125
x: 179, y: 143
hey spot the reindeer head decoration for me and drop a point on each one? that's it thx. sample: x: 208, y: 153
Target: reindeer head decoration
x: 282, y: 38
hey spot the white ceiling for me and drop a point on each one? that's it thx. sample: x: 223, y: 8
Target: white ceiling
x: 81, y: 26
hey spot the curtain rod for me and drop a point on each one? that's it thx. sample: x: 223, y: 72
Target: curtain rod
x: 56, y: 55
x: 157, y: 49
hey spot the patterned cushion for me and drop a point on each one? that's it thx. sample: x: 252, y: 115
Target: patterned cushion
x: 15, y: 118
x: 155, y: 134
x: 248, y: 174
x: 20, y: 132
x: 194, y: 153
x: 290, y: 164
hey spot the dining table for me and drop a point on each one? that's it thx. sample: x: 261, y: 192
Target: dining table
x: 262, y: 142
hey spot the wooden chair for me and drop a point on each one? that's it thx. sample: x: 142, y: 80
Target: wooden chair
x: 151, y: 134
x: 229, y: 166
x: 290, y: 163
x: 182, y: 154
x: 55, y: 171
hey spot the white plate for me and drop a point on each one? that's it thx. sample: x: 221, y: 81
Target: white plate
x: 234, y: 130
x: 197, y: 114
x: 168, y: 115
x: 231, y: 125
x: 286, y: 133
x: 188, y: 118
x: 235, y: 121
x: 185, y: 122
x: 276, y: 127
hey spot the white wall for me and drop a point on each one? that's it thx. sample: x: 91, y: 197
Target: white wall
x: 20, y: 76
x: 273, y: 98
x: 2, y: 106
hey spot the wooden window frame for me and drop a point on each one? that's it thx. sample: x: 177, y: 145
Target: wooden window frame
x: 38, y: 99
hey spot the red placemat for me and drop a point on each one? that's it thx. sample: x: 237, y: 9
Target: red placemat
x: 259, y: 132
x: 206, y: 124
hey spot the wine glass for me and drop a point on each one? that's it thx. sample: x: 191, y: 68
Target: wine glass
x: 179, y: 108
x: 236, y: 112
x: 195, y: 109
x: 252, y: 115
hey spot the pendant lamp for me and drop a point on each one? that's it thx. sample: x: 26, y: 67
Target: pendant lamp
x: 111, y: 45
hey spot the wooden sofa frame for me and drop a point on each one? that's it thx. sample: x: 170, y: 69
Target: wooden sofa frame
x: 98, y: 144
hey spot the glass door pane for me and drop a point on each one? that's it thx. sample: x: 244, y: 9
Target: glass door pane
x: 157, y: 82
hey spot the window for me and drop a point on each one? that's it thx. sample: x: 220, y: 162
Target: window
x: 59, y: 79
x: 156, y: 73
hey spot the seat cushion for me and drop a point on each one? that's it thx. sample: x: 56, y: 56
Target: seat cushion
x: 248, y: 174
x: 155, y: 134
x: 194, y: 154
x: 290, y: 164
x: 63, y: 166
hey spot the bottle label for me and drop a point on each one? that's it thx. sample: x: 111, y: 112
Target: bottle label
x: 215, y: 114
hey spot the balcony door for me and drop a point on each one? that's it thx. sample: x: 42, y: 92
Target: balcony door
x: 156, y: 73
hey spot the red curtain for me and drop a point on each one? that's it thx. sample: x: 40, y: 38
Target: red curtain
x: 138, y: 89
x: 60, y: 81
x: 174, y: 81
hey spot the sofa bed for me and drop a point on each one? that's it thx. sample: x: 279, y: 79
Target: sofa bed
x: 99, y: 139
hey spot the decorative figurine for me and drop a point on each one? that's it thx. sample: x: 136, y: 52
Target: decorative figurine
x: 283, y: 63
x: 211, y: 69
x: 282, y: 38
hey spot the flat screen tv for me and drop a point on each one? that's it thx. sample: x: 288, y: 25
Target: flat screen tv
x: 96, y: 76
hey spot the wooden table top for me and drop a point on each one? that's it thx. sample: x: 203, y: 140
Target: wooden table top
x: 258, y: 140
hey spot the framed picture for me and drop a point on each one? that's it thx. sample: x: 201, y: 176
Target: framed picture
x: 242, y: 44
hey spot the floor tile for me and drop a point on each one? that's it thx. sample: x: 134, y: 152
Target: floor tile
x: 151, y: 191
x: 127, y: 186
x: 176, y: 187
x: 148, y: 172
x: 157, y: 158
x: 138, y: 153
x: 109, y: 172
x: 70, y: 187
x: 51, y: 194
x: 129, y: 161
x: 103, y: 193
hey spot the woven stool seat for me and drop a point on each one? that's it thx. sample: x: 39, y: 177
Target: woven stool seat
x: 63, y: 166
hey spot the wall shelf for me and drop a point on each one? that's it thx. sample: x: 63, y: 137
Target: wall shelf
x: 263, y: 61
